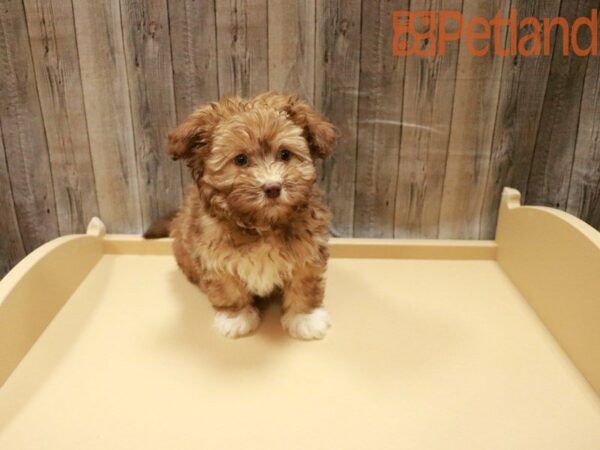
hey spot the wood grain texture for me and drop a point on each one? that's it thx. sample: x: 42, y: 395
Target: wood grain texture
x: 242, y: 47
x: 292, y: 47
x: 548, y: 182
x: 520, y: 106
x: 106, y: 98
x: 379, y: 128
x: 56, y: 61
x: 194, y: 54
x: 11, y: 243
x: 473, y: 117
x: 194, y: 50
x: 337, y: 67
x: 23, y: 131
x: 150, y: 73
x: 427, y: 121
x: 584, y: 187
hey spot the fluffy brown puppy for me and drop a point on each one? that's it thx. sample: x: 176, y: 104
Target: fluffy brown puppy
x: 254, y: 224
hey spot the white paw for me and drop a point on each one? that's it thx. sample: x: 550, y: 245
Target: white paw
x: 237, y: 324
x: 312, y: 325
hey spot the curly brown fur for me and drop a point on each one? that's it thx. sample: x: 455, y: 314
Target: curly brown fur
x: 230, y: 237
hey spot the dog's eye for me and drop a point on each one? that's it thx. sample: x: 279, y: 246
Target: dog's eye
x: 241, y: 160
x: 285, y: 155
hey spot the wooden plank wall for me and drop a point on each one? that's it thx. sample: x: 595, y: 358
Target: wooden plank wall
x: 88, y: 90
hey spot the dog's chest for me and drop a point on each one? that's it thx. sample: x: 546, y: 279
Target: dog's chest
x: 262, y: 268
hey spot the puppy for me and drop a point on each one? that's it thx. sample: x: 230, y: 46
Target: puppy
x: 254, y: 225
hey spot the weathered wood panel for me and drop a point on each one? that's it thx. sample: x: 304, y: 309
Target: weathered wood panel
x: 548, y: 182
x: 88, y: 91
x: 54, y: 49
x: 522, y: 92
x: 11, y: 243
x: 194, y: 50
x: 242, y: 47
x: 428, y: 99
x: 473, y: 117
x: 291, y: 47
x: 106, y: 98
x: 150, y: 73
x: 23, y: 132
x: 337, y: 63
x: 584, y: 188
x: 379, y: 122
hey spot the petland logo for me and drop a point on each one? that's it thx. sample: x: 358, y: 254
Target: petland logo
x: 426, y: 33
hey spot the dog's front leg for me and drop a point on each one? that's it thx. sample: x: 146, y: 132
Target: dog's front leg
x: 235, y: 314
x: 304, y: 316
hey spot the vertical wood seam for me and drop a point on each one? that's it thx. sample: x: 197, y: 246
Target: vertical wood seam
x: 134, y: 140
x: 172, y: 65
x: 20, y: 235
x: 214, y: 3
x: 539, y: 130
x: 491, y: 157
x: 360, y: 28
x: 400, y: 133
x: 87, y: 127
x: 315, y: 26
x: 42, y: 118
x: 460, y: 45
x: 268, y: 66
x: 182, y: 167
x: 360, y: 82
x: 587, y: 62
x: 176, y: 107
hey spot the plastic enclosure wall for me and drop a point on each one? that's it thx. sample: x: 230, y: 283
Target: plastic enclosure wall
x: 34, y: 291
x: 553, y: 258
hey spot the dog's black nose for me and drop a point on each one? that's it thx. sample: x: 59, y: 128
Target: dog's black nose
x: 272, y: 190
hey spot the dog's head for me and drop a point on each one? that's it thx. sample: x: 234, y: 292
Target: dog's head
x: 254, y: 159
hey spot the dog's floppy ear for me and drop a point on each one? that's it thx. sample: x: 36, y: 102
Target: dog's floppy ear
x: 194, y: 133
x: 192, y: 138
x: 320, y: 134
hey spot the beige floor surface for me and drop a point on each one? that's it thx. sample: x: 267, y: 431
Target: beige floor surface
x: 422, y: 355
